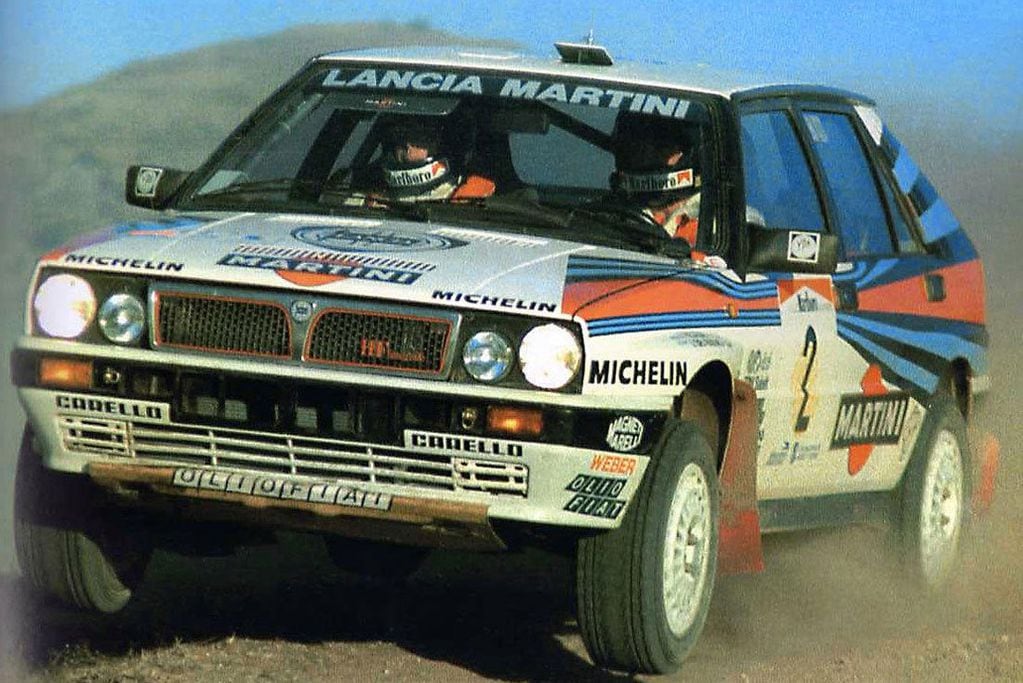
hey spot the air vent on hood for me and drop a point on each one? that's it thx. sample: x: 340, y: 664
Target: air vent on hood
x: 491, y: 237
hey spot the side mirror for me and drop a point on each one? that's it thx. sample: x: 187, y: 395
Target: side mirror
x: 152, y: 187
x: 797, y: 251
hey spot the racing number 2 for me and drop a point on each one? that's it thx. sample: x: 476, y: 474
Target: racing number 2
x: 809, y: 357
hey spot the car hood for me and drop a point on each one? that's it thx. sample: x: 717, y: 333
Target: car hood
x: 360, y: 257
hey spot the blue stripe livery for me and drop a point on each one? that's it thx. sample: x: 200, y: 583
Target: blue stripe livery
x: 589, y: 269
x: 682, y: 321
x: 181, y: 224
x: 936, y: 217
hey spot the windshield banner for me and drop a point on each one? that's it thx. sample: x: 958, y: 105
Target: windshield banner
x: 657, y: 104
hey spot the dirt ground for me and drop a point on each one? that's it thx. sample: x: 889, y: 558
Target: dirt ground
x: 829, y: 607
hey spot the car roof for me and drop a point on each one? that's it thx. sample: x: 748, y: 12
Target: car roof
x: 694, y: 77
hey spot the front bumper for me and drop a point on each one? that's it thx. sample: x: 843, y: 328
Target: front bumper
x: 210, y: 494
x: 454, y: 479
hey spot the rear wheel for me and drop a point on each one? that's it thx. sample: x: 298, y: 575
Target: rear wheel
x: 935, y: 494
x: 66, y: 548
x: 644, y: 589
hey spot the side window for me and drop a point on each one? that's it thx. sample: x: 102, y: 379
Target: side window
x: 903, y: 233
x: 779, y: 188
x: 859, y: 213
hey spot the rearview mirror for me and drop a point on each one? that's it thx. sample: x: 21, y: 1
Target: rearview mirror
x: 517, y: 120
x: 797, y: 251
x: 152, y: 187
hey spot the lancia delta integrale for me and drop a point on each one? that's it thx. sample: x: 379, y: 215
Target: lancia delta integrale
x: 640, y: 314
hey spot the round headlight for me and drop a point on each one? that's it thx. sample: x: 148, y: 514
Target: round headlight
x: 122, y: 318
x: 64, y: 306
x: 550, y: 356
x: 487, y: 356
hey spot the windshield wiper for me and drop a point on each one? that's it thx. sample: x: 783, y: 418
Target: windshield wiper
x: 369, y: 202
x: 307, y: 191
x: 258, y: 187
x: 521, y: 205
x: 631, y: 225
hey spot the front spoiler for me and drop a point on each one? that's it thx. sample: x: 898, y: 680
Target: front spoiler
x: 398, y: 519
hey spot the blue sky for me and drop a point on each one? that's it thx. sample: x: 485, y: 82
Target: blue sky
x: 938, y: 47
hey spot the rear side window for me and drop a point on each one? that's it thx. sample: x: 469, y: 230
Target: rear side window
x: 780, y: 193
x: 903, y: 233
x: 859, y: 213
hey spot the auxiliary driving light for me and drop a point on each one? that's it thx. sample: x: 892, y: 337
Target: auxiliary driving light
x: 122, y: 318
x: 487, y: 356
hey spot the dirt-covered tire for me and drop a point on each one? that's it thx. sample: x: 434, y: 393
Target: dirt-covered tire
x: 935, y: 495
x: 375, y: 560
x: 60, y: 545
x: 644, y: 589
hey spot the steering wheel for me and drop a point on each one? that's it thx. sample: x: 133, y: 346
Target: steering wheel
x: 635, y: 216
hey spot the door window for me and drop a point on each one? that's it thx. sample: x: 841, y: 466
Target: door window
x: 859, y: 213
x: 780, y: 193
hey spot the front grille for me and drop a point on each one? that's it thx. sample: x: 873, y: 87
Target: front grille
x: 95, y: 437
x: 379, y: 340
x: 330, y: 459
x: 222, y: 324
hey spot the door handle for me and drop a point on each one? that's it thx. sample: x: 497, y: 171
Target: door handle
x: 935, y: 286
x: 846, y: 297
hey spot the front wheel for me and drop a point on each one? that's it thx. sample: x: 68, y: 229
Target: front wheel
x: 644, y: 589
x: 66, y: 548
x: 935, y: 492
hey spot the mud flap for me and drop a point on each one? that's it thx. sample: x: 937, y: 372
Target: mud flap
x: 984, y: 461
x: 739, y: 547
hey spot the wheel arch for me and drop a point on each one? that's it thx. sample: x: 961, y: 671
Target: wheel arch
x: 958, y: 381
x: 983, y: 452
x: 707, y: 400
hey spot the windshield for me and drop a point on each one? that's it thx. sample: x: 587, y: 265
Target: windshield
x: 517, y: 153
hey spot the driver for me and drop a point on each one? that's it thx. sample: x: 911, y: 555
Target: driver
x: 655, y: 171
x: 419, y: 163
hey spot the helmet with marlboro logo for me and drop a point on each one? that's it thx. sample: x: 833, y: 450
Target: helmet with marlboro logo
x: 654, y: 156
x: 411, y: 149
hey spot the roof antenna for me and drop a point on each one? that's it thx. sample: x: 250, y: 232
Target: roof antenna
x: 585, y: 52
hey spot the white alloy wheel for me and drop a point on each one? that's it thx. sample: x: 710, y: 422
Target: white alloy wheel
x: 941, y: 511
x: 686, y: 549
x: 643, y: 590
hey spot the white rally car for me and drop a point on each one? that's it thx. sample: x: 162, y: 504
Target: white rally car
x: 642, y: 314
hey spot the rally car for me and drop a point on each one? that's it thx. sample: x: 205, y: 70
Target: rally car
x: 643, y: 314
